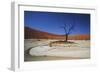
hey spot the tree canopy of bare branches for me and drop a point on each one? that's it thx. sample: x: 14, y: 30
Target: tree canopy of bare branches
x: 67, y: 29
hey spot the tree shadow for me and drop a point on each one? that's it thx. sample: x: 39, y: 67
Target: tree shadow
x: 61, y: 42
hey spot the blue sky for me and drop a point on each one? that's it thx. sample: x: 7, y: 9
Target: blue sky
x: 52, y: 21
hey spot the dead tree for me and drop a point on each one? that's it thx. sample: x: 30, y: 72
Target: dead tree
x: 67, y: 29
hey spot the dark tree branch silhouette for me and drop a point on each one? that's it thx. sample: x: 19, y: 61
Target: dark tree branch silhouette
x: 67, y: 28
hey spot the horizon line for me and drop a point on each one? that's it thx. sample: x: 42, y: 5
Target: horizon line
x: 54, y: 33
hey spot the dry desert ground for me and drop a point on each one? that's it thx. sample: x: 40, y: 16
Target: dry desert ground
x: 40, y: 50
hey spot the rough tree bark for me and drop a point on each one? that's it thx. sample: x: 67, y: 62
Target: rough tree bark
x: 66, y: 37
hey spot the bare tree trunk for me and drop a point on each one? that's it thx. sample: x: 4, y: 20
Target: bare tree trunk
x: 66, y: 37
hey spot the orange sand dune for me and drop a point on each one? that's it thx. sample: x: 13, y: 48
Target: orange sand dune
x: 37, y: 34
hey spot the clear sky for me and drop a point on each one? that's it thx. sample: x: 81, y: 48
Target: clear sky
x: 52, y: 21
